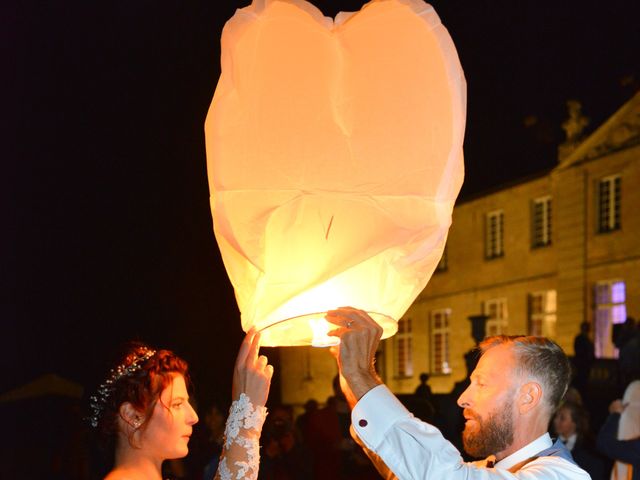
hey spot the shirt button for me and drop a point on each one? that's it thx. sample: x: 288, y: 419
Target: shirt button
x: 363, y: 423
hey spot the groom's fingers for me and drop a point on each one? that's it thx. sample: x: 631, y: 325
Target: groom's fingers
x: 338, y: 318
x: 334, y: 350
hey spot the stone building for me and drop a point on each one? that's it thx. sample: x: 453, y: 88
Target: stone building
x: 538, y: 256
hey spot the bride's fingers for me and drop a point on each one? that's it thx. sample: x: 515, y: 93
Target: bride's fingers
x: 262, y: 362
x: 245, y: 347
x: 253, y: 350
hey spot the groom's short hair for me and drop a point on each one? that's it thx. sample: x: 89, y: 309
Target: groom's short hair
x: 540, y: 358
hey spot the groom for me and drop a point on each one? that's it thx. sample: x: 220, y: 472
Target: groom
x: 514, y: 391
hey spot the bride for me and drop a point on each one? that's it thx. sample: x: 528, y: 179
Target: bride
x: 142, y: 410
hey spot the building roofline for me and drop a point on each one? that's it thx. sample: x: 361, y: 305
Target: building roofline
x: 504, y: 186
x: 584, y: 151
x: 582, y: 154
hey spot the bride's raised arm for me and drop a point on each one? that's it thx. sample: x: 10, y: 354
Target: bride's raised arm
x: 251, y: 380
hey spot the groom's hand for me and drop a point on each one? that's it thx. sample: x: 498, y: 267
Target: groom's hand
x: 359, y: 338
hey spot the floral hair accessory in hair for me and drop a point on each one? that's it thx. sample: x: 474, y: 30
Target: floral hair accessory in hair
x: 98, y: 401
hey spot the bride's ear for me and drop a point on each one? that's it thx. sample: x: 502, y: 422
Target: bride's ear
x: 130, y: 415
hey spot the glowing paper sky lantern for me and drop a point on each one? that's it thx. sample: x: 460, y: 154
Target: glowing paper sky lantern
x: 334, y: 156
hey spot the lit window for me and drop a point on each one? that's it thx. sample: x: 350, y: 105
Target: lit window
x: 403, y: 351
x: 541, y: 228
x: 609, y: 204
x: 440, y: 341
x: 610, y: 309
x: 494, y: 233
x: 542, y: 313
x: 496, y: 310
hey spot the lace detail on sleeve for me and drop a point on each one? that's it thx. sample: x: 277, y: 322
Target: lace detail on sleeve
x: 241, y: 451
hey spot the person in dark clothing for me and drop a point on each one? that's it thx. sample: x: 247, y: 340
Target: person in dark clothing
x: 583, y: 359
x: 336, y: 456
x: 629, y: 359
x: 422, y: 405
x: 423, y: 390
x: 310, y: 407
x: 284, y: 457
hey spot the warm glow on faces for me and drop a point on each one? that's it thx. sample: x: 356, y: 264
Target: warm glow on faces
x: 563, y: 423
x: 168, y: 430
x: 488, y: 404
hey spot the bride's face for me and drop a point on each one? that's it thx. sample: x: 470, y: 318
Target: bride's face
x: 169, y: 428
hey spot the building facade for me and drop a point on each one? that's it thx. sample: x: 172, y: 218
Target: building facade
x: 537, y: 257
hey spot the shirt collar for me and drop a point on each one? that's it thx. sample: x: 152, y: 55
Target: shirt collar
x: 526, y: 452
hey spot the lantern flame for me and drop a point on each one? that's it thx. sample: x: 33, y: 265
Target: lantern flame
x: 321, y: 328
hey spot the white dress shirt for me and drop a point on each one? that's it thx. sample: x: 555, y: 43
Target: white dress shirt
x: 403, y: 447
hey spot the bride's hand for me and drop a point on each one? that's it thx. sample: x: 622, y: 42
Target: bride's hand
x: 252, y: 373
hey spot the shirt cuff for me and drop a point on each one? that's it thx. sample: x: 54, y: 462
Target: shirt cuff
x: 375, y: 413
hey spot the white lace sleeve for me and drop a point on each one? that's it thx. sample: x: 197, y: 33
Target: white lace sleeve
x: 241, y: 450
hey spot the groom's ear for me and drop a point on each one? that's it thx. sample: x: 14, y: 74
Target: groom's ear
x: 529, y: 396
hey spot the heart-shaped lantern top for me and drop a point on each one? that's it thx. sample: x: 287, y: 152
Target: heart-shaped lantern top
x: 334, y: 154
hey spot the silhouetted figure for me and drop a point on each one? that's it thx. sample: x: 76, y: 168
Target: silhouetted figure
x: 310, y: 407
x: 423, y: 390
x: 336, y: 455
x: 327, y: 435
x: 583, y: 359
x: 629, y: 347
x: 423, y: 401
x: 624, y: 332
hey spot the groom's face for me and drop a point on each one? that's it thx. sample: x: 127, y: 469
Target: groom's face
x: 488, y: 404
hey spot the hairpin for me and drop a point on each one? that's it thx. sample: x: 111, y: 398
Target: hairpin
x: 98, y: 401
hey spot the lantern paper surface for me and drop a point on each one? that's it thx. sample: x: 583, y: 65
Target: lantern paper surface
x: 334, y: 151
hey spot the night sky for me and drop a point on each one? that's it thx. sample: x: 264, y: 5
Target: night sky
x: 105, y: 198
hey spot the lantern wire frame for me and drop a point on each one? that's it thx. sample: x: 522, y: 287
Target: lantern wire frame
x: 311, y: 329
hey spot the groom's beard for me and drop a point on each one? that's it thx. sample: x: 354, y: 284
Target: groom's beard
x: 488, y: 436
